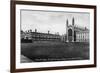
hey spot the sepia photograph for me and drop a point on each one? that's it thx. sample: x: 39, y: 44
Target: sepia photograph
x: 54, y: 36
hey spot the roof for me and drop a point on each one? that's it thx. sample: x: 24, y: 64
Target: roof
x: 79, y: 28
x: 44, y: 33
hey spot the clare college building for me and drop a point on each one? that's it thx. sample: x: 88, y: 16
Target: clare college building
x: 73, y: 34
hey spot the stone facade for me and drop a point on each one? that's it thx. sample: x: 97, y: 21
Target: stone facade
x: 37, y: 36
x: 76, y: 34
x: 73, y: 34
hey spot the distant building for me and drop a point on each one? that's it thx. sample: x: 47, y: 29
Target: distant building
x: 37, y: 36
x: 73, y: 34
x: 76, y: 34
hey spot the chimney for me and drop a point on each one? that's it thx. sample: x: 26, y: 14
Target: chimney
x: 48, y: 32
x: 30, y: 30
x: 57, y: 33
x: 35, y: 30
x: 85, y: 28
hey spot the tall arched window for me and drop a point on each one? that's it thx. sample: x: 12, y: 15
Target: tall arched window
x: 70, y: 35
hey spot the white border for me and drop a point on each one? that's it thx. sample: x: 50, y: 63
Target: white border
x: 58, y: 63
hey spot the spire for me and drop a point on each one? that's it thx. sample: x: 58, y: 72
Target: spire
x: 73, y: 21
x: 67, y: 30
x: 67, y: 22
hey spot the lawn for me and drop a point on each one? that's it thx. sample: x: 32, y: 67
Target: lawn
x: 55, y: 51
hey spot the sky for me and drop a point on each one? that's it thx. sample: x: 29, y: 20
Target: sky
x: 54, y: 22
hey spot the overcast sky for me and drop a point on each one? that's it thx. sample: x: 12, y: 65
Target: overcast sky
x: 52, y: 21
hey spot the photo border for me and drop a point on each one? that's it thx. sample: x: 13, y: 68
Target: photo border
x: 13, y: 35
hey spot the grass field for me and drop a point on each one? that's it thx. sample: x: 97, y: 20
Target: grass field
x: 55, y: 51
